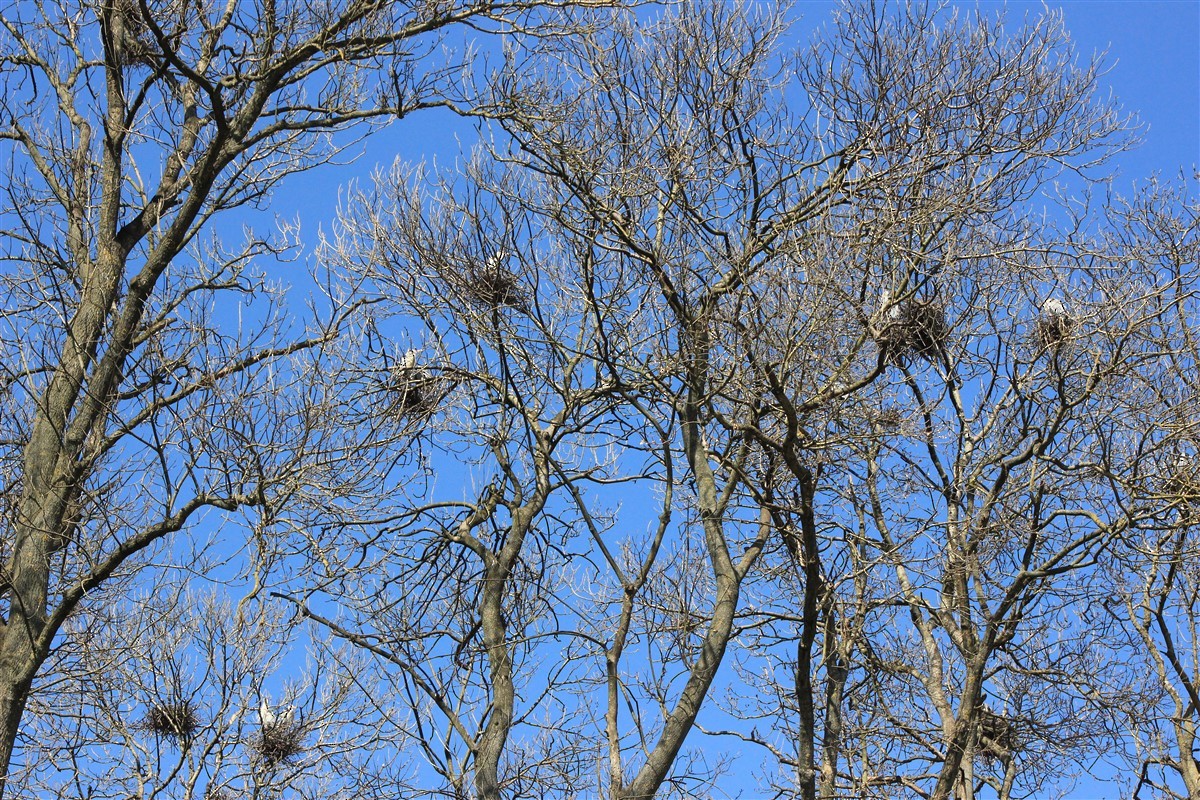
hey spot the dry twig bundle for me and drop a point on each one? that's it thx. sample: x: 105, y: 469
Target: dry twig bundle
x: 916, y: 328
x: 134, y: 41
x: 281, y: 742
x: 415, y: 393
x: 494, y: 286
x: 1051, y: 330
x: 177, y: 719
x: 997, y: 734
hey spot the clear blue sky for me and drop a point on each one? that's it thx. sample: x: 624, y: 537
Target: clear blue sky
x: 1154, y: 52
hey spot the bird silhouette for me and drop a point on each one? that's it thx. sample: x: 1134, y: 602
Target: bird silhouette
x: 287, y: 717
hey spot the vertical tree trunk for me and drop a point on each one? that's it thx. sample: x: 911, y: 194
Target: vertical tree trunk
x: 500, y: 716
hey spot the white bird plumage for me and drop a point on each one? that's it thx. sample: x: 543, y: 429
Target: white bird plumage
x: 265, y: 715
x: 410, y: 359
x: 1054, y: 307
x: 890, y: 310
x: 496, y: 260
x: 287, y: 717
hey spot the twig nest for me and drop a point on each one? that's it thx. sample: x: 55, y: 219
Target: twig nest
x: 1183, y: 479
x: 493, y: 285
x: 415, y: 392
x: 997, y: 734
x: 133, y: 40
x: 888, y: 419
x: 281, y: 742
x: 178, y: 719
x: 913, y: 328
x: 1054, y: 325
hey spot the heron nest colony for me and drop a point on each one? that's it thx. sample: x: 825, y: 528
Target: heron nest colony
x: 1052, y: 329
x: 280, y: 742
x: 177, y: 719
x: 916, y: 328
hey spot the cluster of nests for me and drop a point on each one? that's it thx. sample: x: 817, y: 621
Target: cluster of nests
x: 279, y: 741
x: 918, y: 328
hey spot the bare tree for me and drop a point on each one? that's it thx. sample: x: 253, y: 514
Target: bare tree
x: 164, y: 697
x: 133, y: 397
x: 863, y: 408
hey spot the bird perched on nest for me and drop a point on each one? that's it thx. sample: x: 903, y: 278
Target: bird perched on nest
x: 265, y: 715
x: 409, y: 369
x: 891, y: 311
x: 415, y: 390
x: 286, y: 717
x: 271, y: 719
x: 912, y: 327
x: 1055, y: 325
x: 1053, y: 307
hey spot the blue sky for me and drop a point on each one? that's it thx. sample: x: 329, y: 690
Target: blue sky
x: 1154, y: 51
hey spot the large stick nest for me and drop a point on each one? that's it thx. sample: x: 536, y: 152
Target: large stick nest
x: 134, y: 42
x: 493, y: 286
x: 280, y: 742
x: 915, y: 328
x: 997, y: 734
x: 414, y: 392
x: 176, y: 719
x: 1051, y: 330
x: 1183, y: 481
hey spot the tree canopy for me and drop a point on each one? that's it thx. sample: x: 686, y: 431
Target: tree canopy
x: 807, y: 421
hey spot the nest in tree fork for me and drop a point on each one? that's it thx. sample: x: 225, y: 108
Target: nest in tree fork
x: 914, y: 328
x: 281, y: 742
x: 493, y: 285
x: 1051, y: 330
x: 177, y: 719
x: 415, y: 393
x: 133, y: 39
x: 997, y: 734
x: 1183, y: 482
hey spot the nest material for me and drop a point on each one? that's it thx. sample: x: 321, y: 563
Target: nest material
x: 1052, y: 329
x: 916, y: 328
x: 1183, y: 483
x: 494, y: 286
x: 280, y: 743
x: 997, y: 734
x: 133, y: 40
x: 179, y: 719
x: 415, y: 392
x: 888, y: 419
